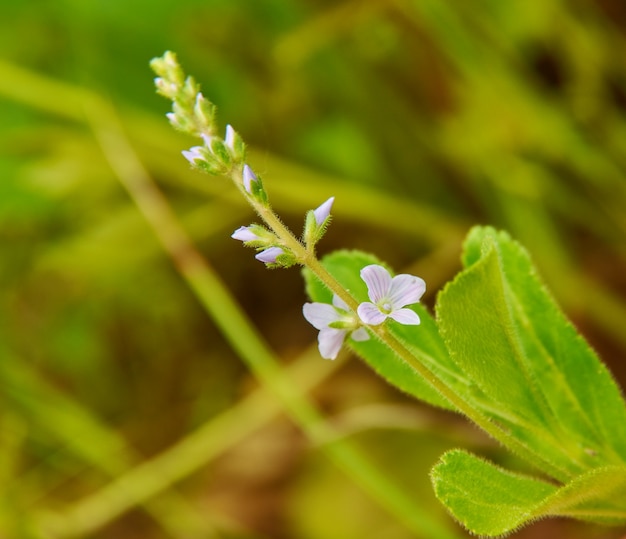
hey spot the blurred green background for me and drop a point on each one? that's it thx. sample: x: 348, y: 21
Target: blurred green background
x: 422, y: 117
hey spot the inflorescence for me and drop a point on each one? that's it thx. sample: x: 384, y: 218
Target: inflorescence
x: 276, y: 247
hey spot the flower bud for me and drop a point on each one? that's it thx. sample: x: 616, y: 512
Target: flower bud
x: 270, y: 256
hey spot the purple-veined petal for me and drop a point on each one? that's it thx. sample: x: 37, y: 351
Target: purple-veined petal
x: 360, y: 334
x: 377, y: 280
x: 330, y: 341
x: 405, y: 290
x: 270, y: 255
x: 323, y: 211
x: 339, y: 303
x: 370, y: 314
x: 248, y: 178
x: 406, y: 317
x: 243, y: 233
x: 319, y: 315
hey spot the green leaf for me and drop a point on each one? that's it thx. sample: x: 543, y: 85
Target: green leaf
x: 545, y: 384
x: 423, y: 340
x: 491, y: 501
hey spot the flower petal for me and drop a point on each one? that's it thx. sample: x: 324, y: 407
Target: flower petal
x: 323, y: 211
x: 406, y: 317
x: 405, y: 290
x: 370, y: 314
x: 360, y: 334
x: 341, y: 304
x: 330, y: 341
x: 378, y: 281
x: 319, y: 315
x: 270, y: 255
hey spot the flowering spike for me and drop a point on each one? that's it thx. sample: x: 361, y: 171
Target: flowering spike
x: 389, y: 296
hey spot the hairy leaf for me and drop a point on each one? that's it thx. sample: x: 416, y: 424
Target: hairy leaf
x: 507, y: 335
x: 491, y: 501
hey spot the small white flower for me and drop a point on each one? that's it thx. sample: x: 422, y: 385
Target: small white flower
x: 334, y: 323
x: 389, y: 296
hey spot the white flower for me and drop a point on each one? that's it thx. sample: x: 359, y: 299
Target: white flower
x: 389, y: 296
x: 334, y: 323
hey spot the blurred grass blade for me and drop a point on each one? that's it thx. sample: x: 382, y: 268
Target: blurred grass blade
x: 239, y: 331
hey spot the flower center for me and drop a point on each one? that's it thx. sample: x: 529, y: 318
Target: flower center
x: 385, y: 306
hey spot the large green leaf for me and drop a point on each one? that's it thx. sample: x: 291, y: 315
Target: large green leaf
x: 491, y: 501
x: 545, y: 384
x: 423, y: 340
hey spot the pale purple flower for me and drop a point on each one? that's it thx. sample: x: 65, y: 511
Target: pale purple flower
x: 323, y: 211
x: 389, y: 296
x: 243, y: 233
x: 334, y: 322
x: 248, y: 178
x: 270, y: 255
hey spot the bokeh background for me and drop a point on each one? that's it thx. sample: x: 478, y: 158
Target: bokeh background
x: 422, y: 117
